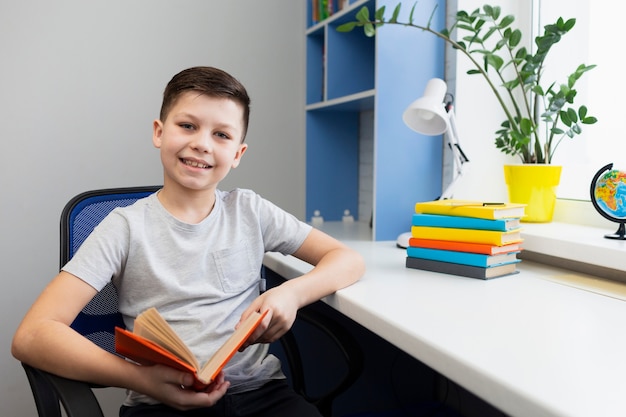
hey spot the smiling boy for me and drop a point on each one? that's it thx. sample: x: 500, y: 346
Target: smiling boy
x: 195, y: 253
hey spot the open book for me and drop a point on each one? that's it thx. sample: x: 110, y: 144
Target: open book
x: 153, y: 341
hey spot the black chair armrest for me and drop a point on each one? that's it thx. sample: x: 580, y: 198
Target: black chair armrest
x: 342, y: 339
x: 49, y: 390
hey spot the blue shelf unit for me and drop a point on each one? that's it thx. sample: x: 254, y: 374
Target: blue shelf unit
x: 349, y: 73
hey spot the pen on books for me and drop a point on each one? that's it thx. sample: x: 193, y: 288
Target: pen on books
x: 476, y: 204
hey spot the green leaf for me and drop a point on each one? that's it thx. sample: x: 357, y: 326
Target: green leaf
x: 571, y: 113
x: 493, y: 11
x: 565, y: 118
x: 569, y: 25
x: 369, y: 30
x: 380, y: 14
x: 510, y: 85
x: 506, y: 21
x: 479, y: 24
x: 346, y: 27
x: 411, y: 13
x: 363, y: 15
x: 515, y: 38
x: 396, y: 13
x: 521, y: 53
x: 465, y: 27
x: 489, y: 33
x: 526, y: 126
x: 495, y: 61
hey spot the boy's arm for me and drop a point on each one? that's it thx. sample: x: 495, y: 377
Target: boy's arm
x: 45, y: 340
x: 336, y: 266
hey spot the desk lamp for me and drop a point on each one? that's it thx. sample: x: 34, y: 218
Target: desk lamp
x: 432, y: 115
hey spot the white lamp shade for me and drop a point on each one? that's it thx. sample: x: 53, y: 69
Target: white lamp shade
x: 427, y: 115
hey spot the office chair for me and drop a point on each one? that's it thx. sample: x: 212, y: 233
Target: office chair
x: 99, y: 318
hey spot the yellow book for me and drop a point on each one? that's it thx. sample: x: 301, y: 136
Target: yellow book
x: 468, y: 208
x: 492, y: 237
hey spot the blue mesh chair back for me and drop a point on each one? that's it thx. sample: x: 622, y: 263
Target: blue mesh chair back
x: 80, y: 216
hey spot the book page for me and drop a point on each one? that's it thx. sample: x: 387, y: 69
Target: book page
x: 152, y: 326
x: 215, y: 364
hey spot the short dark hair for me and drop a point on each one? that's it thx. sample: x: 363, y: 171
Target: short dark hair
x: 209, y: 81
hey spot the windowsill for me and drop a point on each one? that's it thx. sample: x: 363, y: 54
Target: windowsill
x: 575, y: 240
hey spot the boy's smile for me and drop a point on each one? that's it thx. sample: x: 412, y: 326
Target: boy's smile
x: 196, y: 164
x: 200, y: 140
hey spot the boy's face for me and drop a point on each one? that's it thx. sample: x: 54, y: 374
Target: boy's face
x: 200, y: 140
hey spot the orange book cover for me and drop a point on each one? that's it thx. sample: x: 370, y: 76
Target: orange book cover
x: 163, y: 346
x: 471, y: 247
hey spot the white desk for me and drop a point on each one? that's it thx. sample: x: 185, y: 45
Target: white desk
x: 527, y: 345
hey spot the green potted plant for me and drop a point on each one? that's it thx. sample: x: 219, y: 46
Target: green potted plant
x: 537, y: 115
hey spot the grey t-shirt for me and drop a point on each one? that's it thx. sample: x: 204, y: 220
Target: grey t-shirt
x: 200, y: 277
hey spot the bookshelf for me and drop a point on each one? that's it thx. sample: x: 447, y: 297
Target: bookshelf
x: 356, y: 90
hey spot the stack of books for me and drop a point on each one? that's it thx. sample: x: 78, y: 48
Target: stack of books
x: 467, y: 238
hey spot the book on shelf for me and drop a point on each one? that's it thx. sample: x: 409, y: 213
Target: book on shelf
x: 465, y: 258
x: 153, y: 341
x: 322, y: 9
x: 462, y: 270
x: 471, y: 247
x: 492, y: 237
x: 468, y: 208
x: 439, y: 220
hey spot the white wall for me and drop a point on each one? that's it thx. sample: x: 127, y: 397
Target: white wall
x: 81, y: 82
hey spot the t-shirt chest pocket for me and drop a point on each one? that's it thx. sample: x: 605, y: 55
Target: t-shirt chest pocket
x: 236, y: 268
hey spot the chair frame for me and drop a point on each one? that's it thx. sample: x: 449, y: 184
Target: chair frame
x: 51, y: 391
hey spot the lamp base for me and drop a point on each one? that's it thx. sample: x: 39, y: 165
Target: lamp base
x: 403, y: 240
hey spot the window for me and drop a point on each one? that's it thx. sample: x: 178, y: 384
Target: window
x: 594, y: 40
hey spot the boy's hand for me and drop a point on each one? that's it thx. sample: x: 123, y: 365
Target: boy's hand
x: 169, y: 386
x: 281, y: 315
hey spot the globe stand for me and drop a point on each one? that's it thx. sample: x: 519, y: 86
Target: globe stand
x: 620, y: 234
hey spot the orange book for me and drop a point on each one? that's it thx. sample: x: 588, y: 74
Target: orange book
x: 153, y: 341
x: 471, y: 247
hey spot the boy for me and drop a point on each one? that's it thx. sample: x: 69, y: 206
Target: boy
x: 194, y: 252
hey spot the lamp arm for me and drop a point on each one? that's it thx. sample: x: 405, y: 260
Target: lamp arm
x: 458, y: 156
x: 453, y: 139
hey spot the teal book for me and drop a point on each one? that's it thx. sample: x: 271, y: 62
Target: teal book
x: 465, y: 258
x: 460, y: 222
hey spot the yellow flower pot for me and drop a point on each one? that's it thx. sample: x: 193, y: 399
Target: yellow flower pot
x: 534, y: 185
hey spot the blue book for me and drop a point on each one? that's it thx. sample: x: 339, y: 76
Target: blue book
x: 464, y: 258
x: 459, y: 222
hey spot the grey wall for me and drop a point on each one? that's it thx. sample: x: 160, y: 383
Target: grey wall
x: 81, y: 82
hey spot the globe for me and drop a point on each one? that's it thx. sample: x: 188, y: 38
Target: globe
x: 608, y: 195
